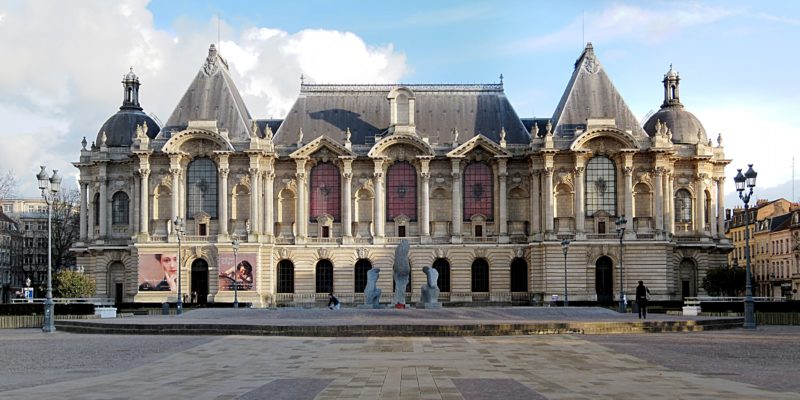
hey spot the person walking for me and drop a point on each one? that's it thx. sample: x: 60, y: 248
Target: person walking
x: 333, y: 302
x: 642, y: 294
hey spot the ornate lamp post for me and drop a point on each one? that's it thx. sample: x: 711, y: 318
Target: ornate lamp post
x: 235, y: 274
x: 565, y: 248
x: 180, y: 227
x: 620, y: 222
x: 748, y: 180
x: 49, y: 185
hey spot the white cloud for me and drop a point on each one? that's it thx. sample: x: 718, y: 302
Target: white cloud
x: 622, y: 21
x: 65, y: 61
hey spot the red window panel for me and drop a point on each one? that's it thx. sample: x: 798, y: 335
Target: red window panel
x: 401, y: 191
x: 325, y: 189
x: 478, y: 196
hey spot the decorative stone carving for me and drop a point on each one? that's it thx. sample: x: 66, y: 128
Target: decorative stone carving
x: 401, y: 270
x: 429, y: 292
x: 372, y: 295
x: 323, y: 253
x: 283, y: 253
x: 362, y: 253
x: 440, y: 252
x: 480, y: 253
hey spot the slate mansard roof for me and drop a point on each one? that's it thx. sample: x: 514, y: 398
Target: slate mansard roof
x: 330, y: 110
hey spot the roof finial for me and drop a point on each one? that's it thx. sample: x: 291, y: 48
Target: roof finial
x: 302, y: 79
x: 83, y: 143
x: 535, y: 129
x: 501, y: 78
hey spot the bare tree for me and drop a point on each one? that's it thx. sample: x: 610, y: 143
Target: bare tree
x: 8, y: 185
x: 66, y: 227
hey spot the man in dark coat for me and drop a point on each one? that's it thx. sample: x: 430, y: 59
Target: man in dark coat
x: 641, y: 299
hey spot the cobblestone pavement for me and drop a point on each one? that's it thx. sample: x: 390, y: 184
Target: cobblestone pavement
x: 733, y: 364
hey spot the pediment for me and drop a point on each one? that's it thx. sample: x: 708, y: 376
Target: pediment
x: 380, y: 148
x: 482, y: 142
x: 176, y: 142
x: 322, y: 143
x: 604, y: 140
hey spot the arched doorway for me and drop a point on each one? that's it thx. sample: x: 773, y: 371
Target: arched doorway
x: 604, y: 280
x: 443, y: 268
x: 116, y: 279
x: 285, y: 277
x: 360, y: 275
x: 199, y: 281
x: 480, y: 276
x: 324, y: 276
x: 688, y: 273
x: 519, y: 275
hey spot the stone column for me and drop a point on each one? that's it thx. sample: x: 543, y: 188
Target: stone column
x: 269, y: 199
x: 628, y: 171
x: 658, y: 185
x: 712, y: 209
x: 458, y: 216
x: 425, y: 208
x: 84, y: 210
x: 175, y: 170
x: 103, y: 202
x: 502, y: 176
x: 380, y: 203
x: 670, y: 202
x: 300, y: 202
x: 144, y: 212
x: 580, y: 212
x: 548, y: 200
x: 699, y: 204
x: 721, y: 207
x: 347, y: 199
x: 254, y: 194
x: 536, y: 210
x: 133, y: 200
x: 90, y: 214
x: 223, y: 199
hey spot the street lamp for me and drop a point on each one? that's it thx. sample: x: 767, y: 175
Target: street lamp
x: 747, y: 180
x: 179, y: 229
x: 235, y: 274
x: 565, y: 248
x: 620, y: 222
x: 49, y: 185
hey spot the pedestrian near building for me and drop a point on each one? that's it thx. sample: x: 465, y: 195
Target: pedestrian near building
x: 642, y: 298
x: 333, y: 302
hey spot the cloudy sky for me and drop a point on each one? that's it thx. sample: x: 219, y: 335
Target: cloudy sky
x: 63, y: 61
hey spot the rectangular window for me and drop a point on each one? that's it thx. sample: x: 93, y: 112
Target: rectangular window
x: 201, y: 230
x: 478, y: 230
x: 601, y: 227
x: 401, y: 231
x: 326, y: 231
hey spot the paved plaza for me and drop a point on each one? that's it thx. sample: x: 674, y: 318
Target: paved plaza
x: 727, y: 364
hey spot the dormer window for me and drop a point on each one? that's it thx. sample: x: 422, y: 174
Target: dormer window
x: 402, y: 109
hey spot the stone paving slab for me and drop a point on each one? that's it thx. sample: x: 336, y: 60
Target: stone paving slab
x: 548, y: 367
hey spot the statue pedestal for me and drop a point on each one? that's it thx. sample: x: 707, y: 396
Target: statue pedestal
x: 428, y: 305
x: 400, y: 306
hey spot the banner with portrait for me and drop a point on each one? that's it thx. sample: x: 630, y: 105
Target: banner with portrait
x: 243, y: 275
x: 158, y: 272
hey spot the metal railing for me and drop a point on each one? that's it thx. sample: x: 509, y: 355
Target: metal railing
x: 97, y: 301
x: 695, y: 301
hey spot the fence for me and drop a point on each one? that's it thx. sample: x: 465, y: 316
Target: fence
x: 34, y: 321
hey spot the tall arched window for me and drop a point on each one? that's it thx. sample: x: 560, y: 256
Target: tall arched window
x: 285, y: 277
x: 519, y: 275
x: 360, y: 277
x: 480, y: 275
x: 601, y: 186
x: 707, y: 209
x: 401, y: 191
x: 201, y: 187
x: 119, y: 208
x: 325, y: 189
x: 478, y: 196
x: 443, y: 267
x: 324, y: 276
x: 96, y: 207
x: 683, y: 206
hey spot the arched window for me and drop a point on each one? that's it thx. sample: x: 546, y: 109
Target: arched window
x: 325, y: 188
x: 707, y: 209
x: 478, y: 196
x: 401, y: 191
x: 360, y: 277
x: 96, y: 207
x: 443, y: 267
x: 519, y: 275
x: 285, y: 277
x: 119, y: 208
x: 201, y: 187
x: 480, y: 275
x: 324, y: 276
x: 683, y: 206
x: 601, y: 186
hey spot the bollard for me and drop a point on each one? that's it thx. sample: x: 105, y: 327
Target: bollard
x: 165, y: 309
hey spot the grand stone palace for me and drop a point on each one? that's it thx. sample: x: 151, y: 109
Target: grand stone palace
x: 320, y: 197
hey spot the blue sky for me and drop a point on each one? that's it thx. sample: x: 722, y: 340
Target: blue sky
x: 735, y: 59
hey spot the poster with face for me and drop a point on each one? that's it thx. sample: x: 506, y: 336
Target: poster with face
x: 158, y: 272
x: 243, y: 274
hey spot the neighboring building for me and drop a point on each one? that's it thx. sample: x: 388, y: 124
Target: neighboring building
x: 322, y: 196
x: 31, y: 214
x: 736, y: 222
x: 10, y: 257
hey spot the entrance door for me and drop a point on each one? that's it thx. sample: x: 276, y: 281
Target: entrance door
x: 604, y: 284
x: 118, y: 293
x: 199, y: 280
